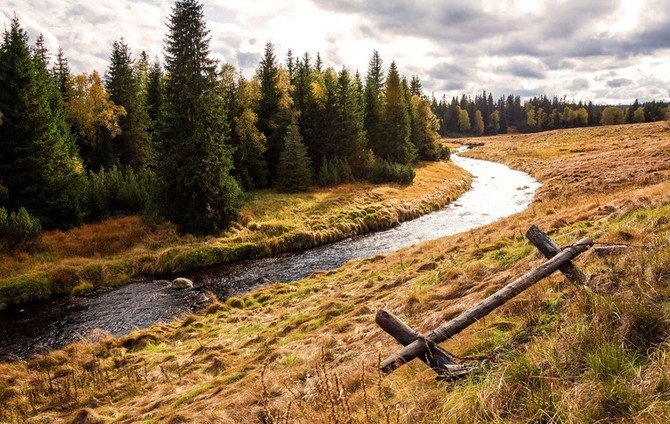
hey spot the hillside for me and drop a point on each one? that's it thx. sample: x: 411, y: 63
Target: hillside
x: 309, y: 351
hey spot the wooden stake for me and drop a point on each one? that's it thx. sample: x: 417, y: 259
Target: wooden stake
x: 549, y: 249
x: 423, y: 344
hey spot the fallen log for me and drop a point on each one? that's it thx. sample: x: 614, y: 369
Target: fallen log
x: 423, y: 345
x: 611, y: 250
x: 549, y: 249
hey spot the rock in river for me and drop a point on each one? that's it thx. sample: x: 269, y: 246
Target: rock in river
x: 181, y: 283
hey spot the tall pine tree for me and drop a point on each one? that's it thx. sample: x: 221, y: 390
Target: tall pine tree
x: 39, y: 165
x: 274, y: 111
x: 351, y: 134
x: 61, y: 72
x: 396, y: 146
x: 294, y: 169
x: 196, y: 190
x: 374, y: 105
x: 154, y: 97
x: 133, y: 144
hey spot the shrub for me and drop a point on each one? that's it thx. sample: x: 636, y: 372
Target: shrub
x: 19, y: 229
x: 334, y: 171
x: 119, y: 191
x: 294, y: 170
x: 445, y: 153
x: 383, y: 171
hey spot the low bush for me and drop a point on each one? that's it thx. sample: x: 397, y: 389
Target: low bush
x: 119, y: 191
x: 334, y: 171
x: 19, y: 229
x: 383, y: 171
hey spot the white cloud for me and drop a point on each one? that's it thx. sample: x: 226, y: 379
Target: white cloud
x: 560, y: 47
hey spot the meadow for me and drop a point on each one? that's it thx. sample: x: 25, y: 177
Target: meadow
x: 309, y: 351
x: 117, y: 251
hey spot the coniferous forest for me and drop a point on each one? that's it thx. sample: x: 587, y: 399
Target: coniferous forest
x: 183, y: 139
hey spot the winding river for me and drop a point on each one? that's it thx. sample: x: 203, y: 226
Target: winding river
x: 496, y: 192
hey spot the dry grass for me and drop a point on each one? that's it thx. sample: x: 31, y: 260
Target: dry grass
x: 308, y: 351
x: 114, y: 251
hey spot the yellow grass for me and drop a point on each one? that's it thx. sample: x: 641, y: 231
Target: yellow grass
x: 116, y: 250
x: 308, y: 351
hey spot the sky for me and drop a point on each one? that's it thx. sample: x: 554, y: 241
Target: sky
x: 605, y: 51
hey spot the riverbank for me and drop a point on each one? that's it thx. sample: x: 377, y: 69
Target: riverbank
x: 308, y: 351
x: 120, y: 250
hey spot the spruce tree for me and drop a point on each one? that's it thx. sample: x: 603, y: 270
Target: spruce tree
x: 374, y: 89
x: 39, y: 165
x: 196, y: 191
x: 133, y: 144
x: 352, y: 143
x: 396, y: 146
x: 274, y: 112
x: 425, y: 130
x: 154, y: 97
x: 294, y: 170
x: 61, y: 72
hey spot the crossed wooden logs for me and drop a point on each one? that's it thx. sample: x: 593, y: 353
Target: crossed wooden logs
x: 426, y: 347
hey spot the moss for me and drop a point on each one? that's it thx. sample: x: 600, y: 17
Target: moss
x: 191, y: 394
x: 25, y: 288
x: 82, y: 288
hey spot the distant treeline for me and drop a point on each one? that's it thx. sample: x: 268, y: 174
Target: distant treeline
x: 484, y: 116
x: 182, y: 139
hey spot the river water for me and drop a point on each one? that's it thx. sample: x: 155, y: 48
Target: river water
x: 496, y: 192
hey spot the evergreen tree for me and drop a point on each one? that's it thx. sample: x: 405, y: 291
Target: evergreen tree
x: 415, y: 86
x: 294, y: 170
x: 425, y: 130
x: 133, y: 144
x: 61, y: 72
x: 196, y: 190
x: 39, y: 165
x: 352, y: 143
x: 154, y: 97
x: 290, y: 65
x: 397, y: 146
x: 374, y: 89
x: 274, y: 107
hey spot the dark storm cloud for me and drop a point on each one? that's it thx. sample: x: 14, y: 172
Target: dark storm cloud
x: 447, y: 70
x: 524, y: 70
x: 650, y: 39
x: 567, y: 19
x: 578, y: 84
x: 452, y: 86
x: 431, y: 19
x: 619, y: 82
x: 564, y: 30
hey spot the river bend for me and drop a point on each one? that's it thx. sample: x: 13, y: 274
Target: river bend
x: 497, y: 191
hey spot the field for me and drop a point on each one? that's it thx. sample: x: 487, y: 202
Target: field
x: 309, y: 351
x: 116, y: 251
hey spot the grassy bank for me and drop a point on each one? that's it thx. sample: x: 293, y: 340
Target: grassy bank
x: 308, y: 351
x: 118, y: 250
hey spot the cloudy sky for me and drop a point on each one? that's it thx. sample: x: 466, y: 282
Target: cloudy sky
x: 607, y: 51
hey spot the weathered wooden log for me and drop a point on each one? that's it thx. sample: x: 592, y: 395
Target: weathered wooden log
x: 469, y: 317
x: 435, y: 357
x: 611, y: 250
x: 549, y: 249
